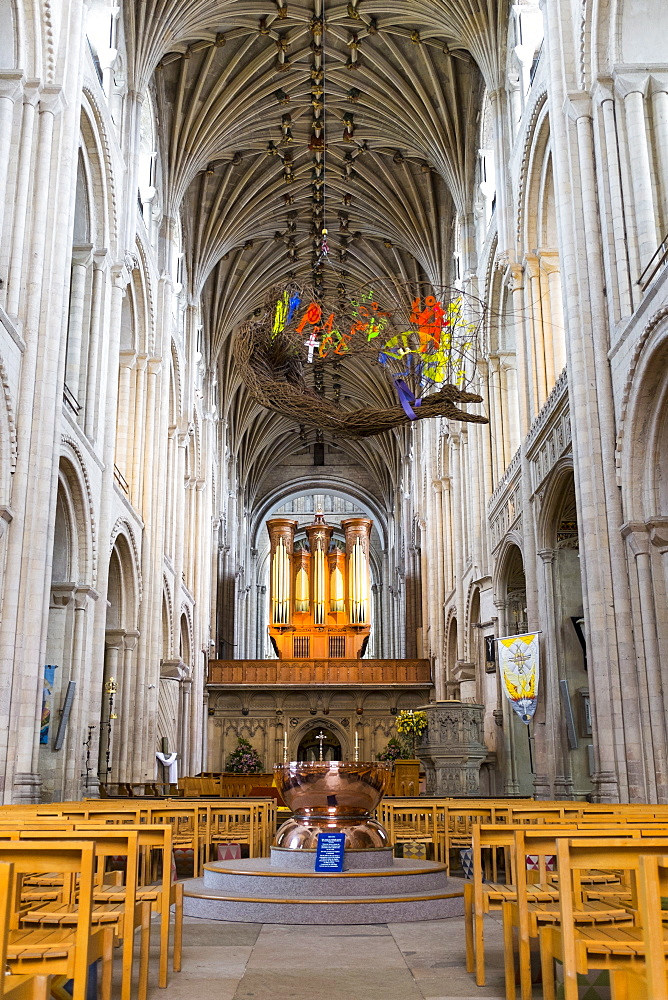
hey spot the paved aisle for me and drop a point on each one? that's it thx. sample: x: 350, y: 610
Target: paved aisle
x: 420, y: 961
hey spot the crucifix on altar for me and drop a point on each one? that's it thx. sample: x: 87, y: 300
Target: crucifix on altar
x: 321, y: 739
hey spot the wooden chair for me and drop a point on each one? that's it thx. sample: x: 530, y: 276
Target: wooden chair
x: 125, y: 912
x: 653, y: 900
x: 598, y: 903
x: 11, y: 986
x: 158, y: 894
x: 161, y: 894
x: 621, y: 950
x: 66, y: 951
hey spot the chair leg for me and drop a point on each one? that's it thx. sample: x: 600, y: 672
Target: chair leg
x: 479, y: 937
x: 107, y: 963
x: 526, y: 989
x: 468, y: 925
x: 547, y: 967
x: 178, y: 928
x: 164, y: 946
x: 145, y: 949
x: 508, y: 951
x: 41, y: 989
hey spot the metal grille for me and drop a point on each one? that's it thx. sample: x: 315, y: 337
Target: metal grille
x: 301, y: 647
x: 337, y: 647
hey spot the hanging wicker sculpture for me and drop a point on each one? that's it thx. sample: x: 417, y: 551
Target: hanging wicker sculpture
x: 424, y: 351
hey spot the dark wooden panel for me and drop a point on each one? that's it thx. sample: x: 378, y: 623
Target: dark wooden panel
x: 305, y: 672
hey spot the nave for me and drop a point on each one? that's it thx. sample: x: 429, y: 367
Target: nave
x: 545, y: 900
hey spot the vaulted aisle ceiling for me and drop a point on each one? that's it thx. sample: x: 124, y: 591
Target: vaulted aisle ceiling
x: 278, y: 119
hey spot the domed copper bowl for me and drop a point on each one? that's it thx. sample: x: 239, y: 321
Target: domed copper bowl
x: 328, y: 796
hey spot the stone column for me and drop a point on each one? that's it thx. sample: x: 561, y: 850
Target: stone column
x: 10, y: 90
x: 553, y: 317
x: 135, y: 456
x: 555, y: 751
x: 536, y: 354
x: 659, y: 91
x: 128, y: 696
x: 512, y: 786
x: 632, y: 90
x: 437, y: 557
x: 625, y: 285
x: 186, y: 688
x: 90, y: 400
x: 80, y: 670
x: 82, y: 257
x: 458, y: 536
x: 651, y: 689
x: 124, y: 419
x: 23, y: 178
x: 30, y: 545
x: 515, y: 280
x: 109, y: 736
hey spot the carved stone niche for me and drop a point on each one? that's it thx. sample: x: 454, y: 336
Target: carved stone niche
x: 452, y: 748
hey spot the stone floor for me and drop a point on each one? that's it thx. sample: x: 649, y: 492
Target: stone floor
x: 417, y: 961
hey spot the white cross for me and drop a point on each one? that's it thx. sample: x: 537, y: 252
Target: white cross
x: 311, y: 343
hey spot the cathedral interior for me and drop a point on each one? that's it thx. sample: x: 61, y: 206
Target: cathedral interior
x: 333, y: 499
x: 165, y: 166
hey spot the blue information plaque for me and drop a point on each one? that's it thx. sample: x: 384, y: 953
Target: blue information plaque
x: 329, y: 852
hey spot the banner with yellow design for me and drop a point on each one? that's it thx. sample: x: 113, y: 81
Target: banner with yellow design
x: 518, y: 667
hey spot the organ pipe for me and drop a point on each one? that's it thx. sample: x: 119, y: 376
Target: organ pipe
x: 280, y: 585
x: 319, y: 586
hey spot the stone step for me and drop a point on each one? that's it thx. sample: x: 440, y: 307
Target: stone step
x: 259, y: 878
x: 325, y: 907
x: 286, y: 859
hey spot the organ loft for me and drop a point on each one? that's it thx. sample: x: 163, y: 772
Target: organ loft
x: 320, y: 588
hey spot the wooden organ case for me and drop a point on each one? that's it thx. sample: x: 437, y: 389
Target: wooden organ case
x: 320, y: 595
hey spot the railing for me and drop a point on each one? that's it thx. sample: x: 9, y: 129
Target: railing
x: 70, y: 400
x: 659, y: 260
x: 121, y: 481
x: 304, y: 672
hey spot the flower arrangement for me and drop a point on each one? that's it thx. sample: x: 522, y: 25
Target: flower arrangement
x: 410, y: 726
x: 244, y: 759
x: 393, y: 751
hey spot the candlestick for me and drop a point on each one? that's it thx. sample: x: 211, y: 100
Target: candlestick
x: 357, y: 746
x: 285, y: 746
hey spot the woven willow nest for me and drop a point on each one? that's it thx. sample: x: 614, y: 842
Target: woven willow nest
x: 273, y: 365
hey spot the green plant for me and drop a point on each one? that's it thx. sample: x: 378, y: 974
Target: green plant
x: 244, y: 759
x: 393, y: 751
x: 410, y: 726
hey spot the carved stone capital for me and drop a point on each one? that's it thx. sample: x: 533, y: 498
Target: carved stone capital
x: 113, y: 638
x: 636, y: 534
x: 82, y: 256
x: 52, y: 100
x: 83, y: 596
x: 577, y: 105
x: 632, y: 83
x: 11, y: 85
x: 62, y: 594
x: 549, y: 261
x: 658, y: 532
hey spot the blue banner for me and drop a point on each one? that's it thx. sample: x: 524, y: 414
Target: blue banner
x: 47, y: 703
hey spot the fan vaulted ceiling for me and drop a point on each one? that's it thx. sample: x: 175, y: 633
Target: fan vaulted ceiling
x: 280, y: 118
